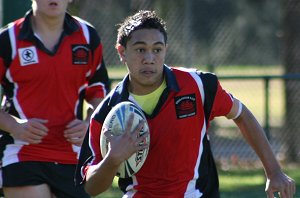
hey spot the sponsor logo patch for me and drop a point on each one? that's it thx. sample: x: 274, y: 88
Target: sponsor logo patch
x: 28, y: 56
x: 80, y: 54
x: 185, y: 106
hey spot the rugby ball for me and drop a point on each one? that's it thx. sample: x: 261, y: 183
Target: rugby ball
x: 115, y: 123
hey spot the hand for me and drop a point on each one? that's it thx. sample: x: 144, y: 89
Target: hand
x: 31, y: 131
x: 124, y: 146
x: 281, y: 183
x: 75, y: 131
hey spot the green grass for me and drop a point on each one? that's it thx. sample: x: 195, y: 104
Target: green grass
x: 233, y: 184
x: 249, y: 183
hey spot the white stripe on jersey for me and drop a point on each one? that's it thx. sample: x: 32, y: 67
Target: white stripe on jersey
x: 12, y: 38
x: 15, y: 100
x: 191, y: 190
x: 84, y: 27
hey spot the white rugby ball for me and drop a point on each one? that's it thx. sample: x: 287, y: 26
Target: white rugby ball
x: 115, y: 123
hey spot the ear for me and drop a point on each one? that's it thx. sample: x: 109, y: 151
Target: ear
x: 121, y: 52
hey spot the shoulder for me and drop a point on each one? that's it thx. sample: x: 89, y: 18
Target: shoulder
x: 6, y: 38
x: 88, y: 29
x: 204, y: 76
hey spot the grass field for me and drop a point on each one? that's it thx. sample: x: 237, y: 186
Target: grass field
x: 240, y: 182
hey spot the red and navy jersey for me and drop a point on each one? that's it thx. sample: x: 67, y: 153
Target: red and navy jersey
x: 179, y: 161
x: 50, y: 85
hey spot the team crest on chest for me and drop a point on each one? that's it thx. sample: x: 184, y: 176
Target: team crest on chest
x: 80, y: 54
x: 185, y: 106
x: 28, y: 56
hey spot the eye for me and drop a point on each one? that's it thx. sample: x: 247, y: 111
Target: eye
x: 157, y: 50
x: 140, y: 50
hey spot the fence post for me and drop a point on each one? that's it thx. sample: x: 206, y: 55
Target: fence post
x: 14, y: 9
x: 267, y: 106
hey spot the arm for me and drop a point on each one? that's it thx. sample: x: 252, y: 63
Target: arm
x: 99, y: 177
x: 277, y: 181
x: 76, y: 129
x: 31, y: 131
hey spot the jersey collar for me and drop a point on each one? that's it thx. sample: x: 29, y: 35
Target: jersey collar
x: 121, y: 93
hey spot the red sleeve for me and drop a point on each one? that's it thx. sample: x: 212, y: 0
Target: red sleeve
x: 222, y: 104
x: 96, y: 91
x: 94, y: 145
x: 95, y: 131
x: 98, y: 81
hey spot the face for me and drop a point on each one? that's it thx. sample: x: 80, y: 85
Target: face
x: 50, y: 8
x: 144, y: 57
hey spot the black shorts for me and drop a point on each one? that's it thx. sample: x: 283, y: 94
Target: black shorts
x: 59, y: 177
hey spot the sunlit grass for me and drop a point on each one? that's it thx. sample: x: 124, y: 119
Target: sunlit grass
x: 233, y: 183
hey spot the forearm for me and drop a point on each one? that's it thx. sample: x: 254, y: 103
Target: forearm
x: 100, y: 177
x: 255, y: 136
x: 8, y: 123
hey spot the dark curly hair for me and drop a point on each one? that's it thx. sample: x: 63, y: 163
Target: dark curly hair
x: 144, y: 19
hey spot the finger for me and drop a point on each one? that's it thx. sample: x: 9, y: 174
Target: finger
x: 76, y: 123
x: 33, y: 139
x: 282, y: 194
x: 73, y: 123
x: 37, y: 131
x: 270, y: 194
x: 139, y: 128
x: 293, y: 188
x: 78, y: 128
x: 33, y: 124
x: 129, y: 123
x: 107, y: 134
x: 76, y: 141
x: 290, y: 189
x: 74, y: 135
x: 42, y: 121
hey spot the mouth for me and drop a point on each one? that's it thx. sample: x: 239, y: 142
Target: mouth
x: 53, y: 4
x: 147, y: 72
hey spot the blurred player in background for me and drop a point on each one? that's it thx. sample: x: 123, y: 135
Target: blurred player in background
x: 179, y: 104
x: 50, y: 63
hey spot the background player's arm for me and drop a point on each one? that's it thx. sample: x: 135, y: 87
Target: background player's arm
x: 76, y: 129
x: 30, y: 131
x: 254, y: 134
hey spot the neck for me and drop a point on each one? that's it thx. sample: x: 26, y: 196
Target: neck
x: 143, y: 89
x: 44, y: 24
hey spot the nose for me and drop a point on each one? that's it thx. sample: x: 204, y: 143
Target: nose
x: 149, y: 58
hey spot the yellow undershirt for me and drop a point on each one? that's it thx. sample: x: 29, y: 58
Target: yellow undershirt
x: 148, y: 102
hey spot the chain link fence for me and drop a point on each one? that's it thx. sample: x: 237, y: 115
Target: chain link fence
x: 214, y: 35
